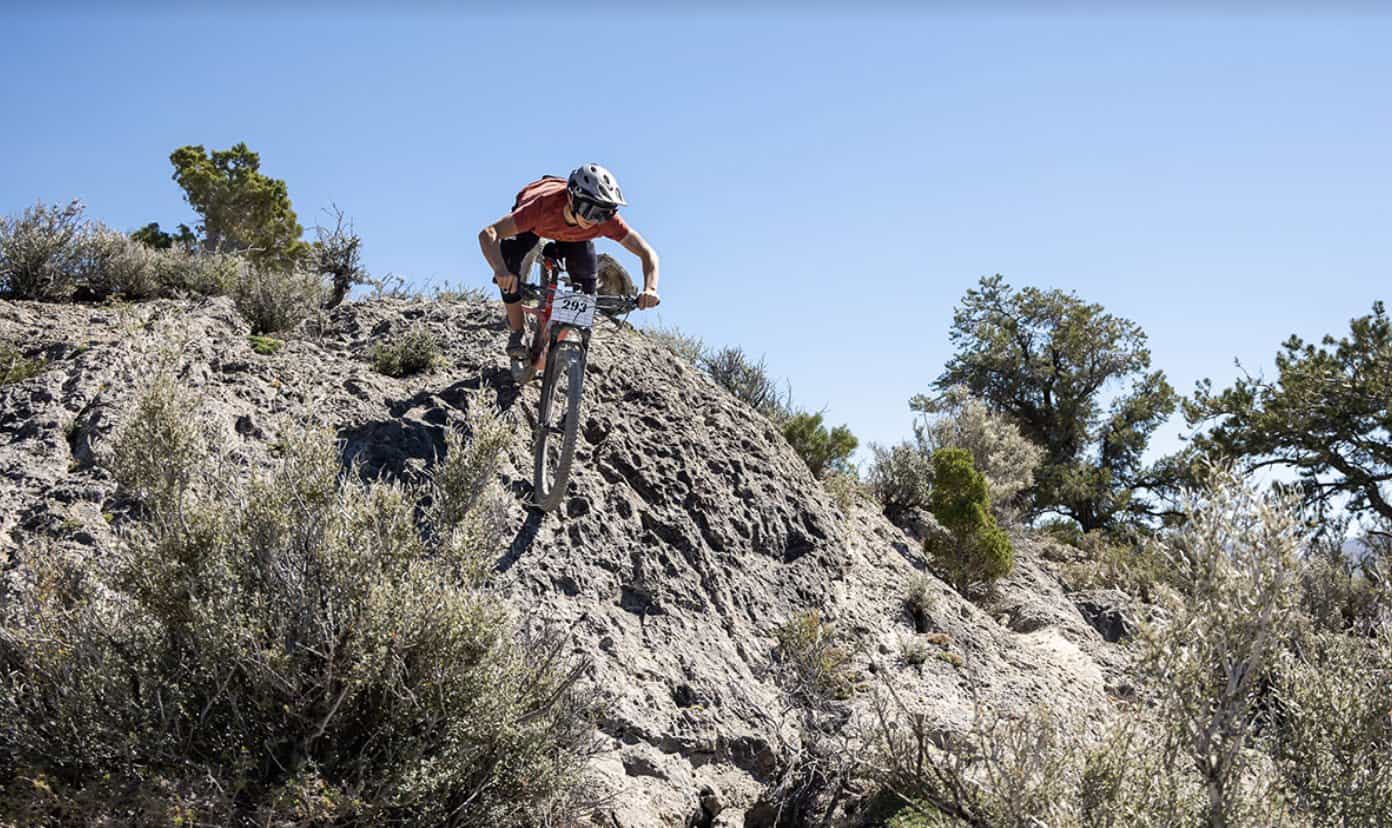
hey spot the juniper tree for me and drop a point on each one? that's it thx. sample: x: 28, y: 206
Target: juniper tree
x: 242, y: 208
x: 1327, y: 415
x: 1048, y: 360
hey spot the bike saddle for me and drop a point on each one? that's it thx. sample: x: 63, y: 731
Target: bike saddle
x: 549, y: 250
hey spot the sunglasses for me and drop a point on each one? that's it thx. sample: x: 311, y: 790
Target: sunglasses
x: 592, y: 211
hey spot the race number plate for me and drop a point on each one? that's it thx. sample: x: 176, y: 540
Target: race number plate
x: 575, y: 308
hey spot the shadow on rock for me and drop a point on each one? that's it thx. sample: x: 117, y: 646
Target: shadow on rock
x: 526, y: 535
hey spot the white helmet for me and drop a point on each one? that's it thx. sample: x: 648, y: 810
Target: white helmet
x: 593, y: 183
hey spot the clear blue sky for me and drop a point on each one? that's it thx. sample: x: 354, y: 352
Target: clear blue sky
x: 822, y: 186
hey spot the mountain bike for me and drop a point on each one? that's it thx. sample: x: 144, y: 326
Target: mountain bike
x: 561, y: 323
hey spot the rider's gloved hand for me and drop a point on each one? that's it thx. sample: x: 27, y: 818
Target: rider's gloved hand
x: 506, y: 281
x: 648, y: 299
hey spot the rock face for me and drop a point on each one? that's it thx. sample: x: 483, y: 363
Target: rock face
x: 691, y: 530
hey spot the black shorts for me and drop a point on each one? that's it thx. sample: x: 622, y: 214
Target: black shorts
x: 579, y: 259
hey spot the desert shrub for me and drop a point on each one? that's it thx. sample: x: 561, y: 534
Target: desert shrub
x: 471, y: 294
x: 1332, y: 738
x: 411, y: 353
x: 1249, y: 713
x: 15, y: 367
x: 158, y: 452
x: 337, y: 255
x: 182, y: 269
x: 43, y: 254
x: 1137, y: 566
x: 117, y: 264
x: 1004, y: 456
x: 273, y: 300
x: 1340, y: 592
x: 286, y: 649
x: 845, y: 488
x: 1210, y: 664
x: 920, y: 597
x: 822, y: 449
x: 689, y: 348
x: 813, y: 665
x: 900, y: 478
x: 1023, y: 769
x: 977, y: 550
x: 997, y: 772
x: 749, y: 381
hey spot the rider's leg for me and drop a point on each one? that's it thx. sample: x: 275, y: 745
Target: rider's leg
x: 515, y: 250
x: 581, y: 262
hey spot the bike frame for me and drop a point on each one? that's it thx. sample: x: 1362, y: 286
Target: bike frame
x: 551, y: 270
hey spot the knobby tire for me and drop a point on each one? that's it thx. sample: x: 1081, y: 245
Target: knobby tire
x: 564, y: 374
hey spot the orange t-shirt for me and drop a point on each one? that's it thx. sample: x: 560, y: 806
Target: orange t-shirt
x: 540, y: 209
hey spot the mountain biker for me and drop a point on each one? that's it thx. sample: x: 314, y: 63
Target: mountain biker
x: 570, y: 212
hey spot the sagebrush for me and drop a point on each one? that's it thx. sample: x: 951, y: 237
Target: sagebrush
x: 293, y: 647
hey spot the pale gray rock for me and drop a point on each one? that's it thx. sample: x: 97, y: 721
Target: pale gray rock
x: 690, y: 531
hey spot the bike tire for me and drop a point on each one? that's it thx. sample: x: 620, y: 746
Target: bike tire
x: 554, y: 447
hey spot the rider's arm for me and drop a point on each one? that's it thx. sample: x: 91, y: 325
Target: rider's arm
x: 638, y: 246
x: 490, y: 238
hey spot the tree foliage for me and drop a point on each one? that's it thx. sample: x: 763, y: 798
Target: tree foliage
x: 822, y: 449
x: 978, y: 549
x: 1327, y: 416
x: 1047, y: 359
x: 152, y: 236
x: 242, y: 209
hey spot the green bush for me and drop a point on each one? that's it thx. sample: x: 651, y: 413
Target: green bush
x: 900, y: 478
x: 1248, y: 712
x: 43, y: 254
x: 265, y: 345
x: 413, y: 352
x: 14, y: 367
x: 292, y: 649
x: 822, y: 449
x: 977, y: 550
x: 1004, y: 456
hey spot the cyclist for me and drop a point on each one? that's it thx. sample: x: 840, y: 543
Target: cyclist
x: 570, y: 212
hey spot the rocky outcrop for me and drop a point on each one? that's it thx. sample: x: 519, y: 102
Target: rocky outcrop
x: 691, y: 531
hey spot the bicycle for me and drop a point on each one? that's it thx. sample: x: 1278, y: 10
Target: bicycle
x: 561, y: 323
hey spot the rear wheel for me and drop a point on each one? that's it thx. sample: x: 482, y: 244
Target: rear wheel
x: 558, y: 422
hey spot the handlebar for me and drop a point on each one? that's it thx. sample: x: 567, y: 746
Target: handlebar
x: 607, y: 304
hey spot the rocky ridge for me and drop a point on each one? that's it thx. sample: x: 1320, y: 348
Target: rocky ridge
x: 690, y: 533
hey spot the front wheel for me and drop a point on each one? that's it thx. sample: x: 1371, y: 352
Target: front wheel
x: 558, y: 422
